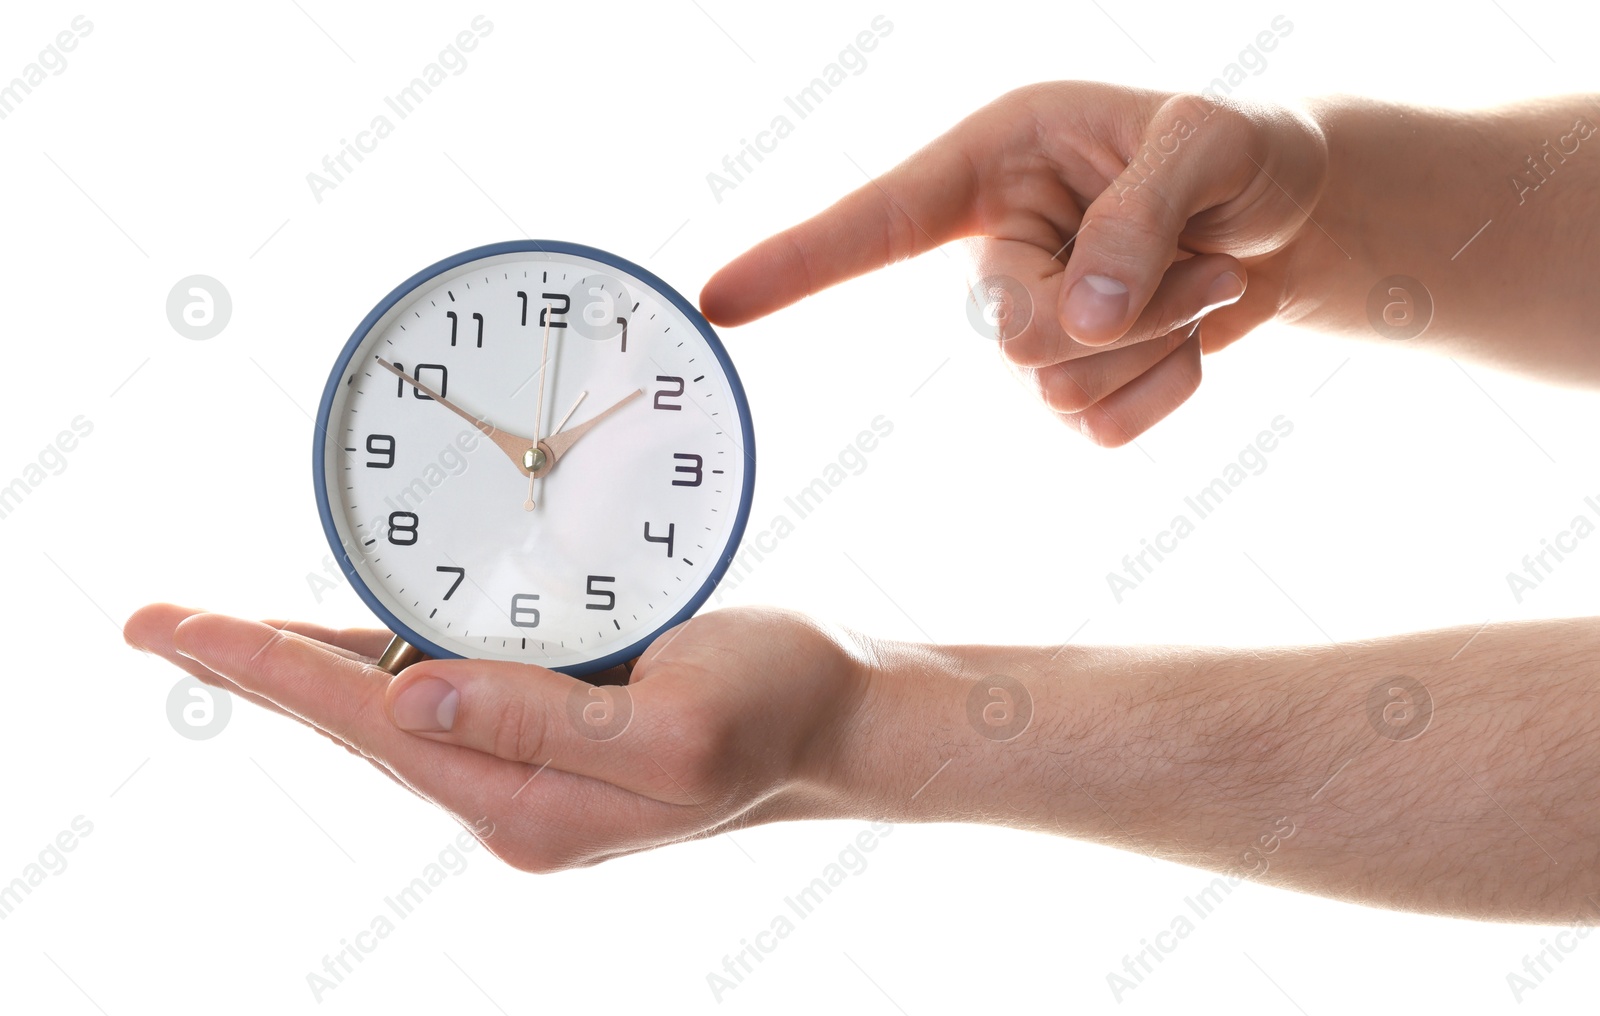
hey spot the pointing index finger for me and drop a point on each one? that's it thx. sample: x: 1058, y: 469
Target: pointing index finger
x: 926, y: 201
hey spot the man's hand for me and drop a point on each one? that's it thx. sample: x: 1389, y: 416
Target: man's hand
x: 1448, y: 772
x: 1126, y: 215
x: 727, y: 721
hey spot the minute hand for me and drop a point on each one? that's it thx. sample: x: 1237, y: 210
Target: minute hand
x: 557, y: 445
x: 515, y: 446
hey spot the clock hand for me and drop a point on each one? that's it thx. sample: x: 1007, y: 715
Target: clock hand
x: 513, y: 445
x: 557, y: 445
x: 531, y: 457
x: 574, y: 409
x: 544, y: 363
x: 535, y: 457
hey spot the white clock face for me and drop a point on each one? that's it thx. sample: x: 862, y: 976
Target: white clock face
x: 623, y: 525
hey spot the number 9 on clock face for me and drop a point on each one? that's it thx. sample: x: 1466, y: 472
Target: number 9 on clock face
x: 534, y: 451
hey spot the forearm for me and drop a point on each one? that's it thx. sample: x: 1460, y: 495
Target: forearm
x: 1496, y: 213
x: 1270, y: 764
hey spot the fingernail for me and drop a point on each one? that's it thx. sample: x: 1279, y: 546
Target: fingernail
x: 1096, y: 304
x: 429, y: 705
x: 1225, y: 289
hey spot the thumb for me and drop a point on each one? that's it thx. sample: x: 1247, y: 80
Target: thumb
x: 1185, y: 163
x: 528, y: 714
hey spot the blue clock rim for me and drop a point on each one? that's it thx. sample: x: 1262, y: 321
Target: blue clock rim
x: 689, y: 311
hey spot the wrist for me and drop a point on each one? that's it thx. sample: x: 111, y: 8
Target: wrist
x: 1332, y: 246
x: 855, y: 763
x: 964, y: 734
x: 1398, y: 178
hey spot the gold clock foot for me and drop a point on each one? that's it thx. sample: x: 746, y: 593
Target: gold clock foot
x: 398, y: 655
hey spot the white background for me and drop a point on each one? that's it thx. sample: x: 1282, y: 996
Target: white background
x: 219, y: 873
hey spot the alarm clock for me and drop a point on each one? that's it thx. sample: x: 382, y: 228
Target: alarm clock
x: 533, y: 451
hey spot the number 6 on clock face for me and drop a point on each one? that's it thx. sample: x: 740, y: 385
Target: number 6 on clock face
x: 534, y: 451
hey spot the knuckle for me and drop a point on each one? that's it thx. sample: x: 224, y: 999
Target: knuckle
x: 1065, y: 392
x: 1026, y: 353
x: 1024, y: 95
x: 900, y: 231
x: 271, y: 657
x: 1166, y: 321
x: 1042, y: 343
x: 1141, y: 217
x: 520, y: 733
x: 1098, y: 426
x: 801, y: 257
x: 1019, y: 104
x: 1194, y: 107
x: 1103, y: 431
x: 1172, y: 321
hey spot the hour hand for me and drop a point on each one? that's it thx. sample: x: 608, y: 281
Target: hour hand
x: 514, y: 445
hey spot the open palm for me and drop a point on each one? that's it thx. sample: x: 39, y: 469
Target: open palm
x: 721, y: 724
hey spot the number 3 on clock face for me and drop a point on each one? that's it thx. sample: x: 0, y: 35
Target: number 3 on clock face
x: 534, y: 451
